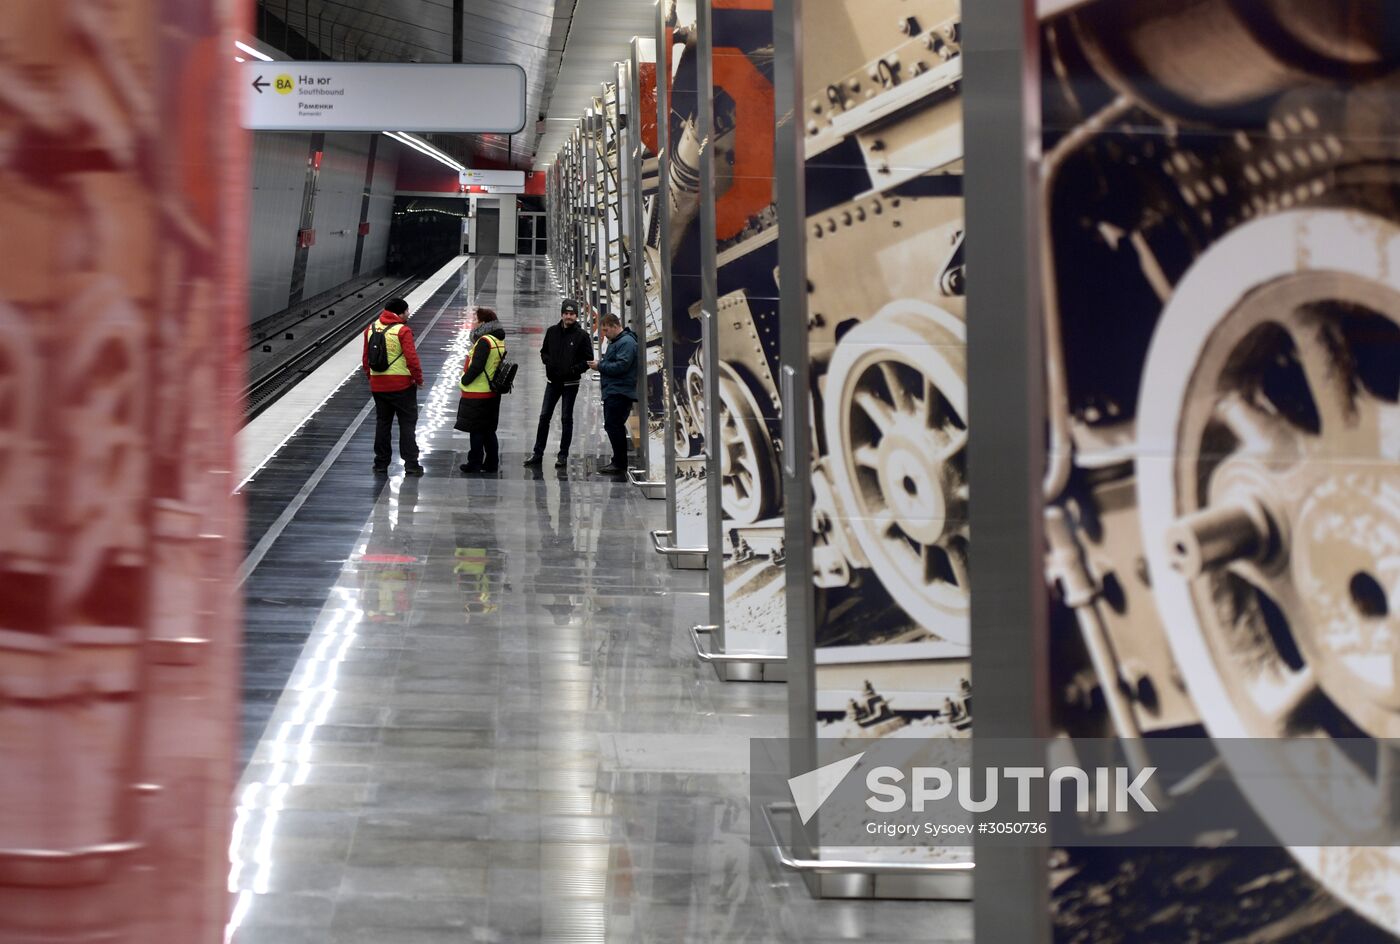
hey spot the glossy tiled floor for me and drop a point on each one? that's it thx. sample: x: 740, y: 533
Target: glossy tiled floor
x: 493, y: 727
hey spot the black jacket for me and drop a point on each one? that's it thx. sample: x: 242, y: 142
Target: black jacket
x: 565, y: 353
x: 480, y: 414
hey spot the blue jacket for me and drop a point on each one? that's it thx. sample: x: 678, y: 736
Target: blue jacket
x: 619, y: 366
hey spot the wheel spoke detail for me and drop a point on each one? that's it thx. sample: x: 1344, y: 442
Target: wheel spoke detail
x: 957, y: 558
x: 1375, y: 421
x: 1259, y: 431
x: 868, y: 457
x: 901, y: 395
x: 1328, y: 382
x: 956, y: 444
x: 1284, y: 700
x: 880, y: 412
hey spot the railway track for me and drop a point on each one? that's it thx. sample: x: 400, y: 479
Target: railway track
x: 288, y: 346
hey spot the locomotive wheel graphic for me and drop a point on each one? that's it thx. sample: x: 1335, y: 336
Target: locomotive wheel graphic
x: 695, y: 400
x: 1269, y: 493
x: 680, y: 432
x: 748, y: 460
x: 896, y: 425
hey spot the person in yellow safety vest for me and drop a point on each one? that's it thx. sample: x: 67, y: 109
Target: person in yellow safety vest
x: 395, y: 390
x: 479, y: 410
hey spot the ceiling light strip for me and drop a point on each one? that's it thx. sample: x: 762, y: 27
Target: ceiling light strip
x: 440, y: 155
x: 409, y: 142
x: 423, y: 147
x: 256, y: 54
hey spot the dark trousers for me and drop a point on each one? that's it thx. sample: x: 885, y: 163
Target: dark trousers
x: 553, y: 393
x: 404, y: 405
x: 485, y: 452
x: 616, y: 409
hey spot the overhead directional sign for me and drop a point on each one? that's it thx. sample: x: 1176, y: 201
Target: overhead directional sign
x: 379, y: 96
x: 494, y: 181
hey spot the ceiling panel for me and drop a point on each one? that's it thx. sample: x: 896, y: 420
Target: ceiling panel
x: 600, y: 36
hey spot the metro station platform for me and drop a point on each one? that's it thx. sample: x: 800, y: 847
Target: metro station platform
x: 472, y: 712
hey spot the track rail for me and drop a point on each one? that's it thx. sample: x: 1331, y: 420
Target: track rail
x: 305, y: 343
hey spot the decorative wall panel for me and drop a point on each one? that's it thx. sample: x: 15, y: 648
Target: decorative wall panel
x: 746, y: 429
x: 1222, y: 322
x: 649, y: 256
x: 680, y: 219
x: 880, y: 104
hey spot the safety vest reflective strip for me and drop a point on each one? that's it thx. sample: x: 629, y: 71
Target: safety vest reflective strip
x: 398, y: 364
x: 482, y: 383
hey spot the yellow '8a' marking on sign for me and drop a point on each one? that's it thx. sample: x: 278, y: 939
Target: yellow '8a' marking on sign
x: 285, y: 84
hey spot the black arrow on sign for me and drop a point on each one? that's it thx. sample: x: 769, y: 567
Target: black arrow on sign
x: 259, y: 83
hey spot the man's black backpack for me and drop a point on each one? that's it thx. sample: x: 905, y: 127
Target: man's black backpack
x: 378, y: 353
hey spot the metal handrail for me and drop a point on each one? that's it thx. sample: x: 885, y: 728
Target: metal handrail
x: 672, y: 550
x: 712, y: 655
x: 632, y: 476
x: 847, y: 866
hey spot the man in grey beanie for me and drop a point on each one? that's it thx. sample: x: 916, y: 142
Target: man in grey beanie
x: 565, y: 352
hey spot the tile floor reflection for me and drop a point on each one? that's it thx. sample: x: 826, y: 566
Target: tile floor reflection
x: 496, y: 729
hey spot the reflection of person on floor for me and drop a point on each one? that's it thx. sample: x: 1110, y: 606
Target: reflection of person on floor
x: 566, y: 352
x: 388, y: 568
x: 559, y: 553
x: 474, y: 580
x: 618, y: 366
x: 473, y: 564
x: 387, y: 589
x: 394, y: 373
x: 479, y: 410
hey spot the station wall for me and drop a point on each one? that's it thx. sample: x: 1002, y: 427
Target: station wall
x: 381, y: 204
x: 279, y: 177
x: 279, y: 174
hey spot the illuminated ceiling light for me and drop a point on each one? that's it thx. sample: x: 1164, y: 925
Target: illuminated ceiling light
x: 409, y: 142
x: 239, y: 59
x: 440, y: 155
x: 423, y: 147
x: 256, y: 54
